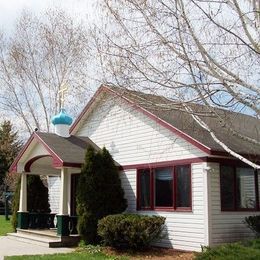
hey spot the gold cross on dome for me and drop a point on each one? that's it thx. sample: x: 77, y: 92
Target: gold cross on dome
x: 62, y: 91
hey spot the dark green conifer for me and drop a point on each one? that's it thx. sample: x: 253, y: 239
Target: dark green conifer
x: 99, y: 192
x: 9, y: 148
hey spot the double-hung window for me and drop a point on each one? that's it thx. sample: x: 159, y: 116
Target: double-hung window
x: 164, y: 188
x: 239, y: 187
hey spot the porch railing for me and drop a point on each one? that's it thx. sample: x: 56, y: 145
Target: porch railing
x: 46, y: 221
x: 41, y: 220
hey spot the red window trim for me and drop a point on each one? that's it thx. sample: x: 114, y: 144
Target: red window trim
x: 235, y: 208
x: 152, y: 194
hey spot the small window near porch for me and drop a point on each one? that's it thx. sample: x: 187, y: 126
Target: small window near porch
x: 246, y: 196
x: 238, y: 188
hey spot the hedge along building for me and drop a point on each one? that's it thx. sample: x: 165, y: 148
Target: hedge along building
x: 170, y: 166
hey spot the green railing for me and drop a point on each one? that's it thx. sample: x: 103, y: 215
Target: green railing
x: 46, y: 221
x: 41, y: 220
x: 73, y: 221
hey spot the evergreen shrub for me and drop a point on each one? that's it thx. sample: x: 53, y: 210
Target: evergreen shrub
x: 99, y: 193
x: 130, y: 230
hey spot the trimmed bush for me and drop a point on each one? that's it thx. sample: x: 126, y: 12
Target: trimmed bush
x: 130, y: 230
x: 253, y: 222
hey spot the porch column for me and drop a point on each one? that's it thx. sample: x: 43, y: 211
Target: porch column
x: 22, y: 214
x: 63, y: 216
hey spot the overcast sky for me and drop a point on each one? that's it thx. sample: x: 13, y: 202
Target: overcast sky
x: 11, y: 9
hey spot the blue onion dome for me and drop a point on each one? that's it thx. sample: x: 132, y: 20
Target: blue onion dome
x: 62, y: 118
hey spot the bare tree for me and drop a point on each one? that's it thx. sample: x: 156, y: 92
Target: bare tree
x: 43, y: 54
x: 200, y: 51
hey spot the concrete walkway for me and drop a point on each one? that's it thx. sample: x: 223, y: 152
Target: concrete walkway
x: 10, y: 247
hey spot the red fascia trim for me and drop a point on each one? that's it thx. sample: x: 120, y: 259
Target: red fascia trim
x: 165, y: 124
x: 145, y: 112
x: 157, y: 120
x: 13, y: 167
x: 57, y: 161
x: 165, y: 163
x: 255, y: 158
x: 28, y: 165
x: 86, y: 108
x: 74, y: 165
x: 229, y: 161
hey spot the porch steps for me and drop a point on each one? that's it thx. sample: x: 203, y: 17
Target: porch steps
x: 47, y: 238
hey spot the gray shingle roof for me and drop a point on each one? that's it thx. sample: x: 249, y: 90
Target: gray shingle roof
x: 71, y: 149
x: 174, y: 114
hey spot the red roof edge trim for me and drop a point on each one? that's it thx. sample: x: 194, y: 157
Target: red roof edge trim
x: 221, y: 160
x: 74, y: 165
x: 28, y: 165
x: 147, y: 113
x: 57, y: 161
x: 13, y: 167
x: 165, y: 124
x: 163, y: 163
x: 85, y: 109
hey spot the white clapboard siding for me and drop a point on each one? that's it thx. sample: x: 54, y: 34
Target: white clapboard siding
x: 225, y: 226
x: 54, y: 193
x: 184, y: 230
x: 132, y: 137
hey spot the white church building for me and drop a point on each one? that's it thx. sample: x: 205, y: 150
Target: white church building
x: 169, y: 166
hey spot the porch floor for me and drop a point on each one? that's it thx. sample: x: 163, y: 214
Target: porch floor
x: 44, y: 237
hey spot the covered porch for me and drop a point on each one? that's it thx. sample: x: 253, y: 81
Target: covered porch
x: 56, y: 158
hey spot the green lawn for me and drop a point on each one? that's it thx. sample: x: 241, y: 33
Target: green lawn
x: 69, y: 256
x: 236, y: 251
x: 5, y: 226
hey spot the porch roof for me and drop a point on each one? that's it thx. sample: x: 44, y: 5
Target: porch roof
x: 65, y: 152
x: 70, y: 150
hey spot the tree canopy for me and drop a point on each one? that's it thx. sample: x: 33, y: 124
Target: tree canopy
x: 44, y: 53
x: 9, y: 148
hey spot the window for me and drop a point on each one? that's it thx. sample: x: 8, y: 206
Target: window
x: 238, y: 188
x: 145, y: 192
x: 183, y: 187
x: 164, y: 188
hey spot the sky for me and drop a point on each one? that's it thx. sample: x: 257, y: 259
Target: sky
x: 10, y: 10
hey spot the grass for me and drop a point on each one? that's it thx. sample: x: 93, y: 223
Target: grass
x: 5, y: 226
x: 69, y: 256
x: 236, y: 251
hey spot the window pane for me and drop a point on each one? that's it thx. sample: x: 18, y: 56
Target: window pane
x: 163, y: 187
x: 245, y: 188
x: 227, y: 187
x: 145, y: 194
x: 183, y: 186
